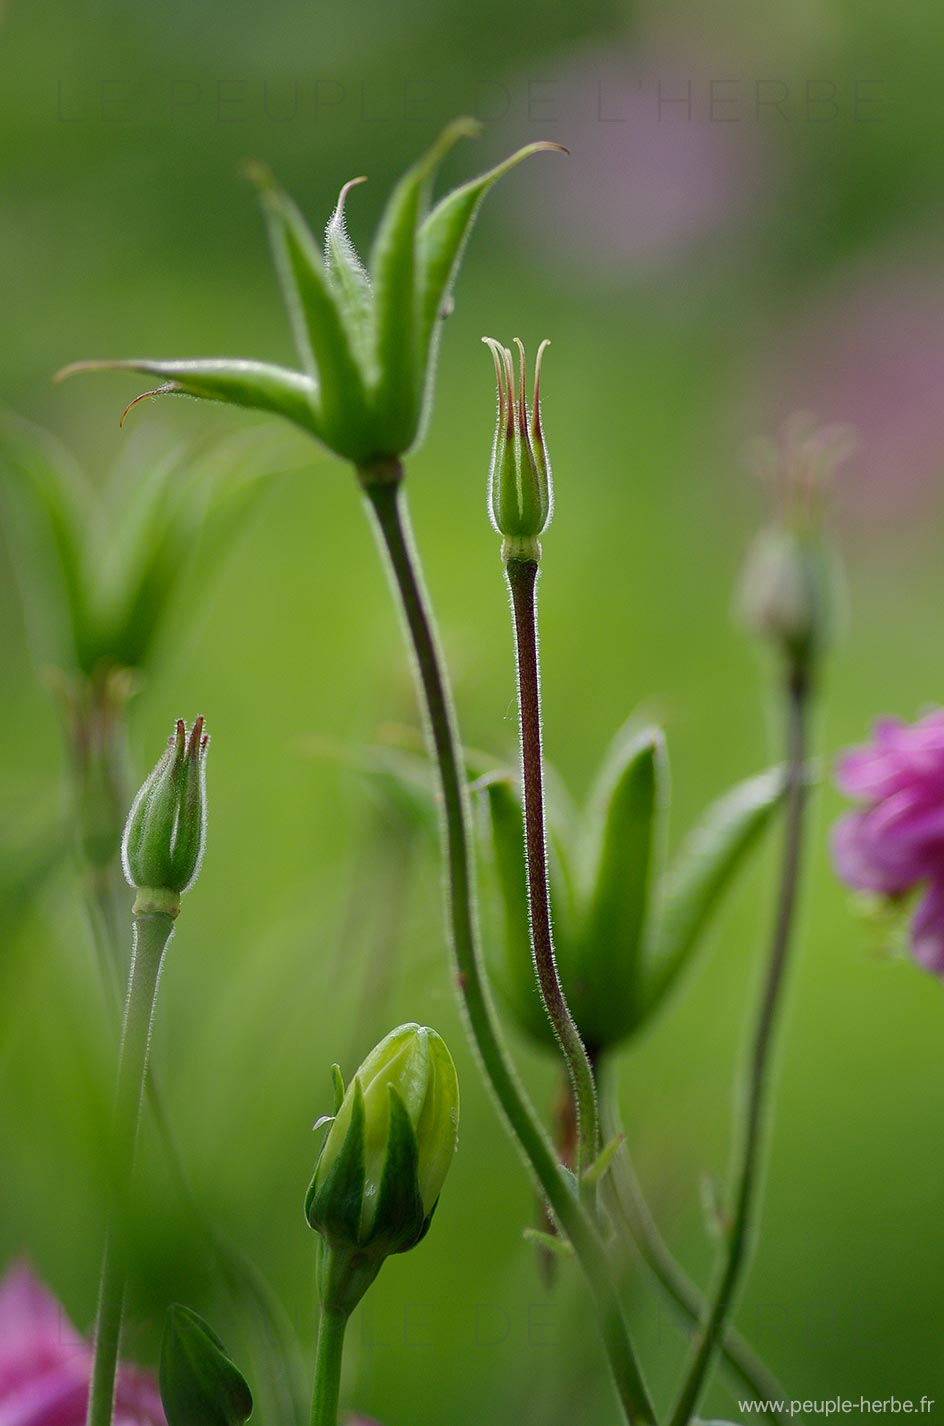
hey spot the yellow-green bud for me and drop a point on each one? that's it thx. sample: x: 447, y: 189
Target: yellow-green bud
x: 520, y: 491
x: 388, y: 1150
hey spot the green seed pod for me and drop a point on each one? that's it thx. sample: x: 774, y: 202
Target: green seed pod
x: 520, y: 490
x: 387, y: 1153
x: 165, y: 833
x: 787, y: 593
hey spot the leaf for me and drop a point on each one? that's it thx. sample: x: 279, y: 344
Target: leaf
x: 604, y: 1159
x: 632, y: 799
x: 443, y: 234
x: 321, y: 335
x: 45, y: 499
x: 351, y: 283
x: 560, y: 1247
x: 200, y: 1384
x: 711, y: 855
x: 393, y: 267
x: 509, y: 947
x: 510, y: 950
x: 254, y: 384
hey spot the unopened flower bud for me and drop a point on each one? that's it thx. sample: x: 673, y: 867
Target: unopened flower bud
x: 164, y: 836
x: 786, y: 592
x: 385, y: 1158
x: 520, y: 491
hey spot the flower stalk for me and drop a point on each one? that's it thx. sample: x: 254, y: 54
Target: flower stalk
x: 522, y: 576
x: 151, y: 936
x: 331, y: 1329
x: 388, y: 507
x: 747, y: 1163
x: 626, y: 1202
x: 161, y: 851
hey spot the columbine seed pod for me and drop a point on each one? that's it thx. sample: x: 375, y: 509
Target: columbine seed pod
x: 520, y: 494
x: 164, y: 836
x: 786, y: 594
x: 386, y: 1155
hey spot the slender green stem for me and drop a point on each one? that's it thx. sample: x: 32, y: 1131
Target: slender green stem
x: 389, y: 509
x: 106, y: 899
x: 748, y: 1157
x: 522, y: 581
x: 151, y: 936
x: 324, y: 1402
x: 627, y: 1205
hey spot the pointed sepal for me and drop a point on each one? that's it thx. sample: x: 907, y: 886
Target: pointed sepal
x: 200, y: 1384
x: 322, y: 336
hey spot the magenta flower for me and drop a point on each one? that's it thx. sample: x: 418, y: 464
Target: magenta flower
x: 45, y: 1364
x: 895, y: 842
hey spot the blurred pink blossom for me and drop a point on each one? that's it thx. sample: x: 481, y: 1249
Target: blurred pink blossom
x: 658, y: 167
x: 45, y: 1364
x: 870, y: 352
x: 895, y: 842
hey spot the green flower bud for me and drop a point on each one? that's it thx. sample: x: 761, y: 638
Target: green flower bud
x: 164, y: 836
x: 199, y: 1384
x: 387, y: 1153
x: 520, y: 491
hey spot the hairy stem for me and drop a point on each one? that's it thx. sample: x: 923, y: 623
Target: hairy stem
x: 324, y: 1402
x: 522, y: 581
x: 389, y: 509
x: 748, y: 1156
x: 626, y: 1202
x: 151, y: 936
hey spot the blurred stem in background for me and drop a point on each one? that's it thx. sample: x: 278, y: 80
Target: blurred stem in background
x: 748, y: 1155
x: 626, y: 1202
x: 152, y: 933
x: 386, y: 501
x: 161, y: 849
x: 786, y: 600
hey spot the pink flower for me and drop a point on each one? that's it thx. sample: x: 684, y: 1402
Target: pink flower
x: 45, y: 1364
x: 895, y: 842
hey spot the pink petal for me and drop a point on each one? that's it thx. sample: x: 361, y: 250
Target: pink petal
x: 927, y: 930
x: 862, y: 863
x: 35, y: 1333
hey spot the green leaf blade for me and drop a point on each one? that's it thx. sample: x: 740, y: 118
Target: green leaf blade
x: 200, y: 1384
x: 258, y: 386
x: 633, y: 799
x: 442, y: 237
x: 394, y: 271
x: 710, y: 858
x: 321, y: 334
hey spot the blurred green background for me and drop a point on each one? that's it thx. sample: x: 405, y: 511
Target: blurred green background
x: 748, y: 222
